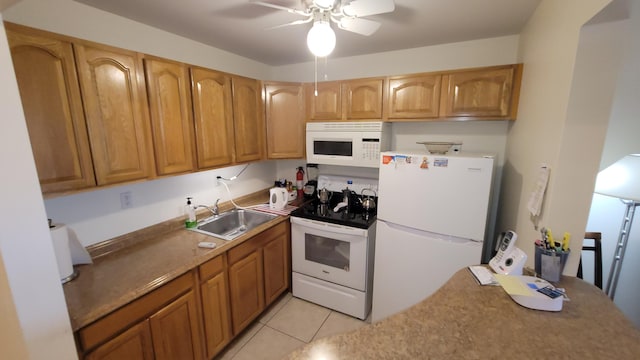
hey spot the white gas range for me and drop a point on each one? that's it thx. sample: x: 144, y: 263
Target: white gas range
x: 332, y: 247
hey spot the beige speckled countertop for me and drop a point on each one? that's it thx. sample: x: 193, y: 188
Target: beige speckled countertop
x: 463, y: 320
x: 167, y: 251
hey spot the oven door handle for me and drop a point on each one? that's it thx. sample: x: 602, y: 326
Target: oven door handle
x: 325, y: 226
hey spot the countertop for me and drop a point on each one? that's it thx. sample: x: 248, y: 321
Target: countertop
x: 463, y: 320
x: 138, y: 263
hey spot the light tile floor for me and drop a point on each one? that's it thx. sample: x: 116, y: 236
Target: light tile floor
x: 288, y: 324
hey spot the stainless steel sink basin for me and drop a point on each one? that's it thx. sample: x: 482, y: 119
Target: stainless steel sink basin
x: 231, y: 224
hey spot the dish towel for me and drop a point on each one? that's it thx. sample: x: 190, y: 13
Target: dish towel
x: 265, y: 208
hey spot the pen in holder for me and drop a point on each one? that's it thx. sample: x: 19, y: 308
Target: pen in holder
x: 549, y: 263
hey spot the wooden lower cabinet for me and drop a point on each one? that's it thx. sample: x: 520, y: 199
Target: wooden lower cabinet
x: 175, y: 330
x: 164, y: 324
x: 276, y: 268
x: 246, y: 287
x: 215, y: 305
x: 197, y: 314
x: 258, y: 274
x: 135, y: 343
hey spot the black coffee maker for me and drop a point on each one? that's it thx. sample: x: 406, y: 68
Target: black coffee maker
x: 311, y: 187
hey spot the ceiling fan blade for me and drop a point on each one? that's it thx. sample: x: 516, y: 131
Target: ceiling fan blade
x: 360, y: 8
x: 297, y: 22
x: 359, y: 25
x: 278, y: 7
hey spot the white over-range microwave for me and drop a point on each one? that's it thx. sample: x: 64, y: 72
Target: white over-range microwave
x: 356, y: 143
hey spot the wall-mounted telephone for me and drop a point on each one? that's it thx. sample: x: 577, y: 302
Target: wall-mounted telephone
x: 509, y: 260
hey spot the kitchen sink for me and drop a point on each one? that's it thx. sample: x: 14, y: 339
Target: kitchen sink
x: 233, y: 223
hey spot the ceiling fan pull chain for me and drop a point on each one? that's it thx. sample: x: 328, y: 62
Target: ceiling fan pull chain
x: 326, y: 61
x: 316, y: 76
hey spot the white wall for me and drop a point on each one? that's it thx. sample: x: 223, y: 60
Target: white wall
x: 97, y: 215
x: 485, y: 52
x: 546, y: 127
x: 29, y: 266
x: 621, y: 139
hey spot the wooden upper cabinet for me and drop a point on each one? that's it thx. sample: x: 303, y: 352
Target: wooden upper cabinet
x: 248, y: 119
x: 490, y: 93
x: 284, y: 117
x: 358, y: 99
x: 414, y: 96
x: 112, y: 85
x: 213, y: 115
x: 362, y: 99
x: 48, y: 84
x: 327, y: 105
x: 170, y: 110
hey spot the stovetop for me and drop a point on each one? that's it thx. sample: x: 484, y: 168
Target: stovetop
x: 355, y: 216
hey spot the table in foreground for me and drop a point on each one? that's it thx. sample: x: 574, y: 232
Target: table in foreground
x: 463, y: 320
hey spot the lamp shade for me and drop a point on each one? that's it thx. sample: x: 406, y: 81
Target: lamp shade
x: 321, y: 39
x: 622, y: 179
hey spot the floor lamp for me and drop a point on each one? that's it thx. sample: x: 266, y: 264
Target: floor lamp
x: 621, y: 180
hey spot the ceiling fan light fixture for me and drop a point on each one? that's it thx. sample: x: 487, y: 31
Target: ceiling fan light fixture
x: 321, y: 39
x: 324, y: 4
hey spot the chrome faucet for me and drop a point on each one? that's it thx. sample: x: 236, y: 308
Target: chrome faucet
x: 214, y: 210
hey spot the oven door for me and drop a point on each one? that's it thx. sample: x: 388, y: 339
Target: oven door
x: 330, y: 252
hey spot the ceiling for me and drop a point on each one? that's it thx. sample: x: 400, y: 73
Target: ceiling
x: 240, y: 27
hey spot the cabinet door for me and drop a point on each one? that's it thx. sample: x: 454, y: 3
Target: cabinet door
x: 215, y: 308
x: 170, y: 110
x: 134, y: 343
x: 483, y: 93
x: 414, y: 97
x: 50, y: 94
x: 327, y: 104
x: 175, y: 330
x: 276, y: 268
x: 284, y: 105
x: 248, y: 119
x: 213, y: 115
x: 112, y: 85
x: 363, y: 99
x: 246, y: 289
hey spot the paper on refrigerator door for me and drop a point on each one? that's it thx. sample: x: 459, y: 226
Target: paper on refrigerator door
x: 537, y: 195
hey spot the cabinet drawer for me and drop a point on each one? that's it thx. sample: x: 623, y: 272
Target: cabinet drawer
x: 117, y: 321
x: 211, y: 268
x: 249, y: 246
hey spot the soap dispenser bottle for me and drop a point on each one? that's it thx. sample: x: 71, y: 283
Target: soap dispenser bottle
x: 190, y: 211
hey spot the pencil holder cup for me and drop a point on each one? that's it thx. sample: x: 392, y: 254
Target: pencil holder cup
x: 549, y: 264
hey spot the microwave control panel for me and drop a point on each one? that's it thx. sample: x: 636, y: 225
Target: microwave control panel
x: 370, y: 149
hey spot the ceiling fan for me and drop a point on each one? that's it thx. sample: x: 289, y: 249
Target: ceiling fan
x: 348, y: 15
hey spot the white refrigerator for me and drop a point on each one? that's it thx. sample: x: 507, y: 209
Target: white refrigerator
x: 432, y: 216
